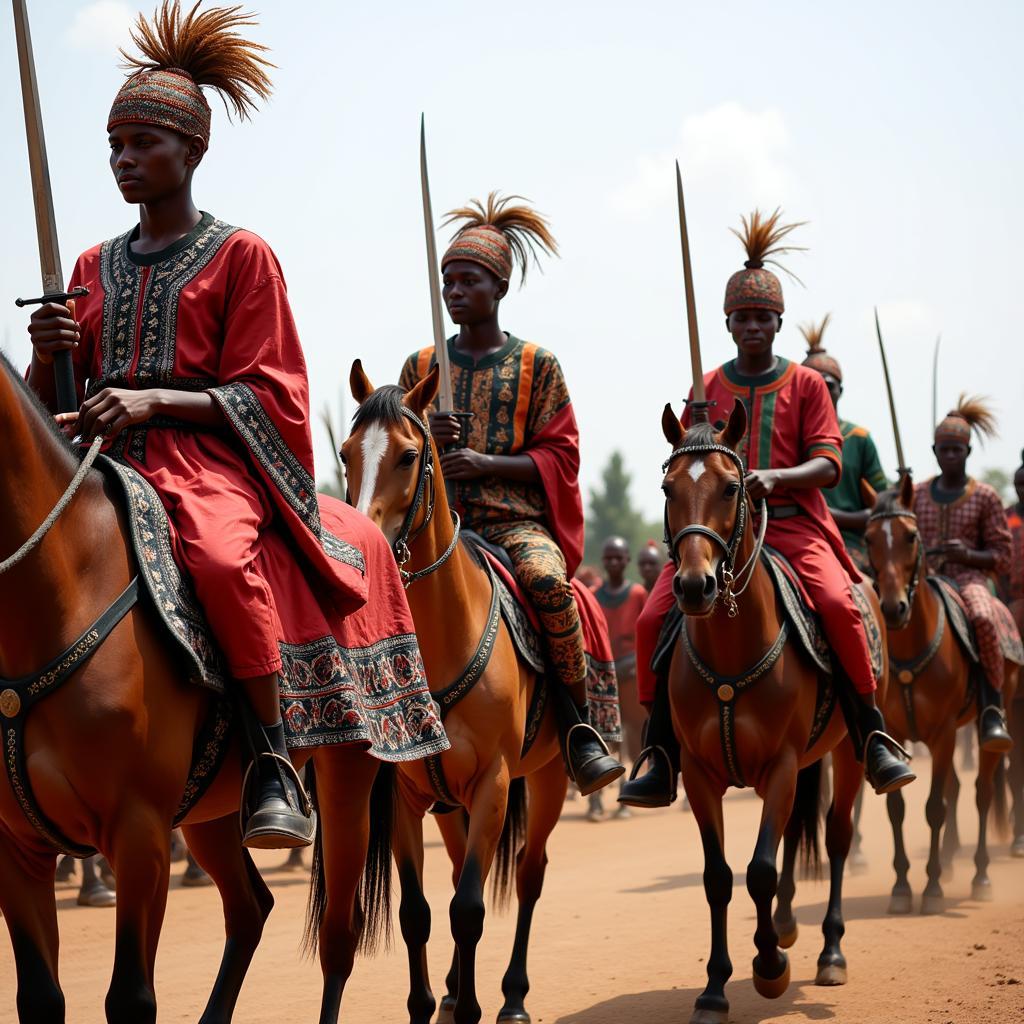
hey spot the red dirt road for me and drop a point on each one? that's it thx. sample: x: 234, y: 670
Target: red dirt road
x: 620, y: 936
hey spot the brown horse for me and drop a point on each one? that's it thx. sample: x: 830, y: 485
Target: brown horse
x: 1016, y: 773
x: 107, y: 755
x: 932, y: 696
x: 394, y: 476
x: 744, y: 702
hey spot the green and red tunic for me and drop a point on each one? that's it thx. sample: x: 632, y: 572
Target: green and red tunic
x: 860, y: 462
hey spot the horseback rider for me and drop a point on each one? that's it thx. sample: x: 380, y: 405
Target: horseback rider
x: 792, y: 451
x: 964, y: 532
x: 189, y: 363
x: 515, y: 473
x: 860, y: 456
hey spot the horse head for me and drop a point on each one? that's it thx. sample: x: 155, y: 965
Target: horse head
x: 706, y: 518
x: 388, y: 456
x: 894, y: 549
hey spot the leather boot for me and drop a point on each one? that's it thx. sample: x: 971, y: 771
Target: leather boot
x: 885, y: 765
x: 587, y: 759
x: 281, y: 815
x: 992, y: 732
x: 657, y: 786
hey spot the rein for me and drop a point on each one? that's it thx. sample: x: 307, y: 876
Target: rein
x: 729, y: 579
x: 44, y: 528
x: 425, y: 491
x: 915, y: 576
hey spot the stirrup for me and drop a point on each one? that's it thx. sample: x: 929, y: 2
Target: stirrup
x: 586, y: 727
x: 998, y: 709
x: 647, y: 754
x: 893, y: 746
x: 285, y: 764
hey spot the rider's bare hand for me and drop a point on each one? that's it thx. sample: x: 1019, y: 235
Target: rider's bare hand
x: 68, y: 423
x: 761, y: 482
x: 53, y: 328
x: 445, y: 428
x: 465, y: 464
x: 116, y: 409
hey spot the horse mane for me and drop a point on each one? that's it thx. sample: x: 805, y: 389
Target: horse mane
x: 700, y: 435
x: 385, y: 405
x: 889, y: 502
x: 35, y: 404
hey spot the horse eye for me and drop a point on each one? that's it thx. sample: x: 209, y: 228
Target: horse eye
x: 408, y: 457
x: 731, y: 489
x: 911, y: 535
x: 665, y: 491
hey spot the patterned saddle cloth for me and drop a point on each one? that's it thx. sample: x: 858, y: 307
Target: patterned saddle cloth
x: 956, y: 614
x: 525, y: 628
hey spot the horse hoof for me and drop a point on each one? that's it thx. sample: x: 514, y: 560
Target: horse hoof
x: 901, y: 903
x: 710, y: 1017
x: 772, y: 988
x: 513, y: 1017
x: 446, y: 1011
x: 831, y: 974
x: 97, y: 896
x: 982, y: 891
x: 788, y: 933
x: 932, y: 903
x: 1017, y: 848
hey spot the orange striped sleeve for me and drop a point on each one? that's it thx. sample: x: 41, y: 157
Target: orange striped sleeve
x: 423, y: 362
x: 523, y: 398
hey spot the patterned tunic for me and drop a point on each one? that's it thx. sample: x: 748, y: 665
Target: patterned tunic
x: 1012, y: 581
x: 860, y: 462
x: 621, y: 610
x: 976, y: 517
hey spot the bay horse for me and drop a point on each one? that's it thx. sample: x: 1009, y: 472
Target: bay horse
x: 744, y: 707
x: 512, y: 801
x: 1016, y: 772
x: 932, y: 694
x: 107, y: 754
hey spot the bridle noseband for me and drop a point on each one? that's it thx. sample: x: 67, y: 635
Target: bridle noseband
x: 915, y: 576
x: 729, y: 547
x: 425, y: 491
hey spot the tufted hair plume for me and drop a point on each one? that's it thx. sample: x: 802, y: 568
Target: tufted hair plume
x: 526, y: 231
x: 977, y: 412
x: 207, y: 48
x: 762, y: 237
x: 813, y: 333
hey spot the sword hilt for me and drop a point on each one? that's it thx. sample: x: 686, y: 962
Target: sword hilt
x: 61, y: 297
x: 699, y: 409
x: 63, y: 368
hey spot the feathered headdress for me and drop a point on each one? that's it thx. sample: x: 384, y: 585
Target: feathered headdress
x: 499, y: 236
x: 817, y: 358
x: 179, y: 54
x: 971, y: 414
x: 756, y: 287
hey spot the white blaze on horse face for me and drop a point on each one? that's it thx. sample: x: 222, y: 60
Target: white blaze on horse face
x: 374, y: 446
x: 696, y: 469
x: 887, y: 530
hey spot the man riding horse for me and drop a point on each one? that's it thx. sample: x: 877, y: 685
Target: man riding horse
x: 792, y: 450
x: 516, y: 480
x: 189, y: 363
x: 966, y: 537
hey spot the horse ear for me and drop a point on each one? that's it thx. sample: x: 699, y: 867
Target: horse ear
x: 671, y: 427
x: 359, y: 384
x: 736, y: 428
x: 907, y: 492
x: 868, y: 494
x: 423, y: 393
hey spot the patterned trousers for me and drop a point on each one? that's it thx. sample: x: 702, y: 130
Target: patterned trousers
x: 990, y: 619
x: 540, y: 569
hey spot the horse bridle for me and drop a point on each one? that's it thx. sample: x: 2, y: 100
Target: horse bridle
x: 425, y: 492
x: 915, y: 576
x: 729, y: 579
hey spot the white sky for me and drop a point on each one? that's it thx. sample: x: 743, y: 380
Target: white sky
x: 893, y: 128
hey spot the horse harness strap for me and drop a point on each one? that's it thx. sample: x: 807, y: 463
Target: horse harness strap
x: 19, y: 696
x: 727, y: 688
x: 906, y: 672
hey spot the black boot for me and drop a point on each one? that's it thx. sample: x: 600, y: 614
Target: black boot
x: 992, y: 732
x: 587, y: 759
x: 885, y: 761
x: 281, y: 815
x: 657, y: 787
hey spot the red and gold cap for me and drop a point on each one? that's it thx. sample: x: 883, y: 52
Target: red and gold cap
x: 817, y: 358
x: 756, y: 287
x: 970, y: 415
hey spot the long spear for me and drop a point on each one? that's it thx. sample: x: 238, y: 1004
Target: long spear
x: 699, y: 405
x: 902, y: 469
x: 935, y: 385
x: 42, y: 199
x: 447, y: 403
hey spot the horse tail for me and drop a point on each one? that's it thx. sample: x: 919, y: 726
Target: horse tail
x: 807, y: 815
x: 375, y: 888
x: 513, y: 835
x: 373, y: 898
x: 1000, y: 808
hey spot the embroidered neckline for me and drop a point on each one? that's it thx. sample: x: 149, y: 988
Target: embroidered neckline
x: 149, y: 259
x: 467, y: 363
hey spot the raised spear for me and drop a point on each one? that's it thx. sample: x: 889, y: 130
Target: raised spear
x: 935, y: 385
x: 42, y: 199
x: 699, y: 404
x: 902, y: 469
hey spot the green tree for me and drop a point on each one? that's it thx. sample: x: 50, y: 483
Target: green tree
x: 998, y: 479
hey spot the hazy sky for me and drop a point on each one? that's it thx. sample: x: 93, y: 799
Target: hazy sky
x: 894, y: 129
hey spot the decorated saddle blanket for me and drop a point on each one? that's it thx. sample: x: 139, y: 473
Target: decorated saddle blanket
x: 524, y: 626
x: 348, y: 678
x: 957, y: 616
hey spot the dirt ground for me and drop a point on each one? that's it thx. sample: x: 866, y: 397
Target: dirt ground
x: 620, y: 936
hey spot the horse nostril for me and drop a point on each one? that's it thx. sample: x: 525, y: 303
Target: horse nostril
x: 902, y: 608
x: 710, y: 586
x: 677, y: 586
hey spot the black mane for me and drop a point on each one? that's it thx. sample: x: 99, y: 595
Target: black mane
x: 44, y: 414
x: 889, y: 502
x: 700, y: 435
x: 383, y: 406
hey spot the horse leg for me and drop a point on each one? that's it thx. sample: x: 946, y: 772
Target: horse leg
x: 454, y: 835
x: 705, y: 796
x: 344, y: 780
x: 857, y: 861
x: 486, y: 816
x: 771, y: 965
x: 29, y: 909
x: 94, y: 891
x: 935, y: 814
x: 1016, y: 712
x: 141, y: 859
x: 413, y: 911
x: 902, y: 899
x: 951, y: 833
x: 847, y: 779
x: 988, y: 762
x: 217, y: 848
x: 546, y: 788
x: 785, y: 920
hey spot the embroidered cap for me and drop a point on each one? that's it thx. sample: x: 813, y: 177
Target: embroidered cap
x: 817, y: 358
x: 756, y: 287
x: 970, y: 415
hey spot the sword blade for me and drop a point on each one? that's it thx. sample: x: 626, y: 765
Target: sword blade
x: 696, y: 369
x: 42, y: 196
x: 902, y: 468
x: 440, y: 344
x: 935, y: 384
